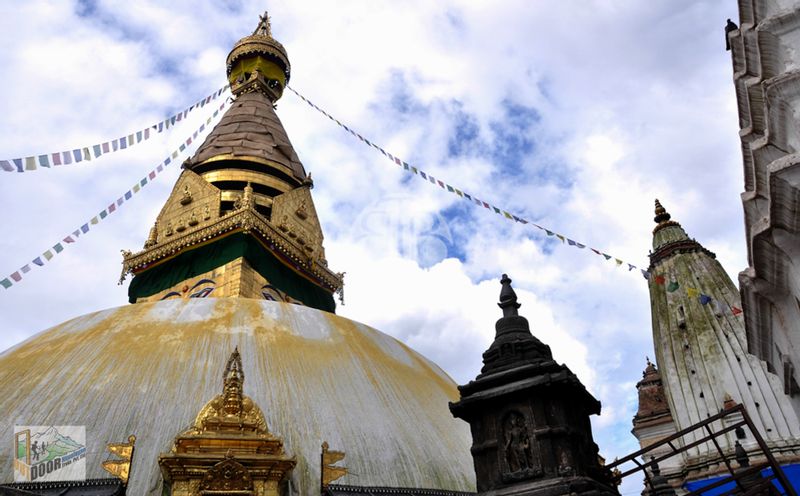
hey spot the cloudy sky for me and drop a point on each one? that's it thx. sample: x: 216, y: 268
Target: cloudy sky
x: 573, y: 114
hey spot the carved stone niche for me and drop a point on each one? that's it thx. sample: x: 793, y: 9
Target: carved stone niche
x: 519, y: 460
x: 227, y: 477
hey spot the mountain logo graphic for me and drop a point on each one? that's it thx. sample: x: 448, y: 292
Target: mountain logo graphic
x: 49, y: 453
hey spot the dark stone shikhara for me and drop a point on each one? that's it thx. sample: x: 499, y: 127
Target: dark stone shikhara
x: 529, y: 417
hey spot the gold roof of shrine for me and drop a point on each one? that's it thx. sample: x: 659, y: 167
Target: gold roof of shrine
x: 250, y: 131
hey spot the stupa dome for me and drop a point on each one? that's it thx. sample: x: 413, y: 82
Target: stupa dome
x: 148, y: 369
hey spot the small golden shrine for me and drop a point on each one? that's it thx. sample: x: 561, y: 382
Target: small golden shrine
x: 228, y: 450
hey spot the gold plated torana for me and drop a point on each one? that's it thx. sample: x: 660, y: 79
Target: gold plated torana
x: 229, y: 449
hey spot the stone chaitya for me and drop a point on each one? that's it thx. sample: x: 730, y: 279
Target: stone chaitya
x: 529, y: 417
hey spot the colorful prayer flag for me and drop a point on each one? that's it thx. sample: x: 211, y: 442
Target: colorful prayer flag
x: 618, y: 261
x: 570, y: 242
x: 6, y: 166
x: 97, y: 151
x: 25, y: 269
x: 38, y: 261
x: 606, y: 256
x: 68, y: 239
x: 660, y: 280
x: 30, y: 163
x: 16, y: 276
x: 56, y: 158
x: 94, y: 220
x: 704, y: 299
x: 85, y: 228
x: 6, y: 283
x: 560, y: 237
x: 736, y: 311
x: 631, y: 267
x: 48, y: 254
x: 44, y: 161
x: 58, y: 247
x: 673, y: 286
x: 645, y: 274
x: 692, y: 292
x: 77, y: 155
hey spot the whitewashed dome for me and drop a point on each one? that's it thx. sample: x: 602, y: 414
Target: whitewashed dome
x: 147, y: 369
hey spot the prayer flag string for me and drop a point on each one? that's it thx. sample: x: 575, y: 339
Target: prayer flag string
x: 87, y: 153
x: 72, y: 237
x: 704, y: 299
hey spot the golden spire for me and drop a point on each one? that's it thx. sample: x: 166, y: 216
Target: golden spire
x: 232, y: 384
x: 231, y: 410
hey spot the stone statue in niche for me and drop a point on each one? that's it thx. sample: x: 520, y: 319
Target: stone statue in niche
x: 168, y: 231
x: 193, y: 219
x: 206, y: 212
x: 187, y: 195
x: 517, y: 444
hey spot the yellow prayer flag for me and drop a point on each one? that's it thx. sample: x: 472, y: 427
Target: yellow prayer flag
x: 122, y: 450
x: 619, y: 262
x: 330, y: 474
x: 692, y: 292
x: 560, y: 237
x: 118, y: 468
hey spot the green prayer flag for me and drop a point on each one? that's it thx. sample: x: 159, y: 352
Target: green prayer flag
x: 103, y: 214
x: 673, y: 286
x: 58, y: 247
x: 48, y: 254
x: 5, y: 283
x: 508, y: 215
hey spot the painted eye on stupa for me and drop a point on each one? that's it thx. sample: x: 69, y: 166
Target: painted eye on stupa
x: 271, y: 293
x: 173, y: 294
x: 202, y: 289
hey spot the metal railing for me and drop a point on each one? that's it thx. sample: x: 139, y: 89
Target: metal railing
x: 747, y: 479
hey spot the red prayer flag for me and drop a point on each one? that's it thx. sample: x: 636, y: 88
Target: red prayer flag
x: 16, y: 276
x: 736, y: 311
x: 660, y: 280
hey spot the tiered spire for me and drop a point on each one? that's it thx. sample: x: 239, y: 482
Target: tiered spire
x: 241, y: 220
x: 702, y: 352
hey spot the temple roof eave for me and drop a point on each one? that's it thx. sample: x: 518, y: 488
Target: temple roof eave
x: 245, y: 220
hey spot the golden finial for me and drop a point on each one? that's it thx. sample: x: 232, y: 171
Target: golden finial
x: 264, y: 26
x: 661, y: 213
x: 233, y: 381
